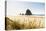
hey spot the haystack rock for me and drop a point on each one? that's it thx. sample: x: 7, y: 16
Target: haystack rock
x: 28, y: 12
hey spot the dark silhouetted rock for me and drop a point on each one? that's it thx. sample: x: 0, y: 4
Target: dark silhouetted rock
x: 28, y: 12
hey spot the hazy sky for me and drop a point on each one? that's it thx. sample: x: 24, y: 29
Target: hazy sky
x: 17, y: 7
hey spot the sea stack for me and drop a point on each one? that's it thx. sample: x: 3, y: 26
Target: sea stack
x: 28, y: 12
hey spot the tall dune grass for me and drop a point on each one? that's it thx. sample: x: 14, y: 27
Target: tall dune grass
x: 25, y: 22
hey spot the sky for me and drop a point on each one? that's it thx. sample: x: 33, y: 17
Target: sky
x: 17, y: 7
